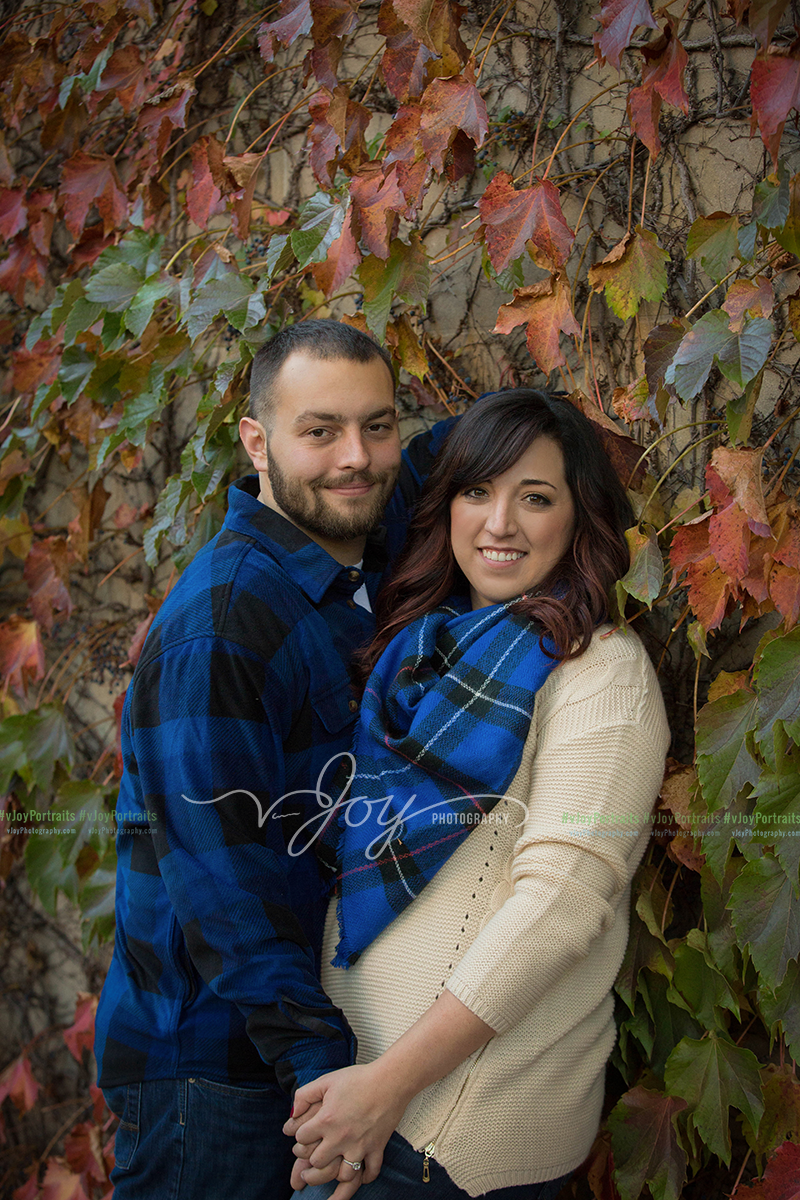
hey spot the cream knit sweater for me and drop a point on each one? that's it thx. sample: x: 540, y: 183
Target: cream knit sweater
x: 527, y: 924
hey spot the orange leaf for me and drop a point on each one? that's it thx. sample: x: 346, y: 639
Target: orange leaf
x: 377, y: 200
x: 784, y: 590
x: 21, y: 652
x: 513, y: 218
x: 709, y: 591
x: 665, y: 67
x: 15, y: 463
x: 32, y: 367
x: 91, y: 179
x: 729, y: 541
x: 644, y: 110
x: 749, y: 296
x: 22, y: 263
x: 46, y: 573
x: 435, y: 23
x: 740, y: 472
x: 17, y: 1081
x: 546, y: 310
x: 80, y: 1035
x: 60, y: 1183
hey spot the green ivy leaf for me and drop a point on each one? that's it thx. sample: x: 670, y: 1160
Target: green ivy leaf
x: 405, y: 275
x: 714, y: 241
x: 140, y: 311
x: 671, y: 1023
x: 83, y: 316
x: 739, y: 411
x: 114, y: 287
x: 228, y: 295
x: 46, y: 741
x: 724, y: 765
x: 645, y: 1142
x: 321, y: 222
x: 280, y: 254
x: 777, y: 813
x: 75, y: 371
x: 206, y: 527
x: 645, y: 577
x: 783, y: 1006
x: 170, y: 503
x: 740, y: 355
x: 766, y: 917
x: 96, y: 900
x: 699, y: 986
x: 47, y: 874
x: 713, y: 1076
x: 788, y: 234
x: 777, y: 680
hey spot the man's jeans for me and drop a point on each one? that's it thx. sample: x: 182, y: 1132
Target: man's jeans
x: 401, y: 1177
x: 182, y: 1139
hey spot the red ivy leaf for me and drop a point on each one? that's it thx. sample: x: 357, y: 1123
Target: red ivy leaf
x: 340, y: 124
x: 90, y: 179
x: 784, y: 590
x: 665, y: 67
x: 340, y: 262
x: 435, y: 23
x: 324, y: 61
x: 80, y: 1035
x: 204, y: 197
x: 46, y: 573
x: 546, y: 309
x: 377, y: 201
x: 447, y: 106
x: 513, y: 218
x: 763, y: 17
x: 17, y: 1082
x: 127, y: 76
x: 83, y: 1151
x: 619, y: 18
x: 167, y: 111
x: 403, y: 65
x: 13, y: 212
x: 644, y: 110
x: 782, y: 1177
x: 295, y: 19
x: 21, y: 652
x: 333, y: 19
x: 774, y: 90
x: 740, y: 472
x: 22, y: 263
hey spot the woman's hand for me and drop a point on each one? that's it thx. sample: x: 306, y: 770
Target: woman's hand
x: 346, y: 1115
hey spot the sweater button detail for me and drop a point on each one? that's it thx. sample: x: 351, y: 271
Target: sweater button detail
x: 352, y: 705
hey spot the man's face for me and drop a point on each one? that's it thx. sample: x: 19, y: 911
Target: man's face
x: 333, y: 446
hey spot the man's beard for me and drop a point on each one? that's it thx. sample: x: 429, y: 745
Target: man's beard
x: 307, y: 506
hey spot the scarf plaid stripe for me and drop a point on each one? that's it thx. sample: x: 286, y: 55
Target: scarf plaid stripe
x: 442, y: 725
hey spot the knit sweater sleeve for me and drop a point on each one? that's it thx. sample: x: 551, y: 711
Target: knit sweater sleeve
x: 590, y: 773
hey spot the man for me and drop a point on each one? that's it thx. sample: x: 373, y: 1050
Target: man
x: 212, y: 1012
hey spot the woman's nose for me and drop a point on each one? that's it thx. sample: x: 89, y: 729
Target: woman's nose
x: 500, y: 519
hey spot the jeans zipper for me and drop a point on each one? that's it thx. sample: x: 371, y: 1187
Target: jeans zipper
x: 430, y: 1149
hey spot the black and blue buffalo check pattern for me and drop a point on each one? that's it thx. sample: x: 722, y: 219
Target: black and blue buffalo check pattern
x: 240, y: 701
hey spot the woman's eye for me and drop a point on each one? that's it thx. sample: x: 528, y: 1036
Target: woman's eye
x: 537, y: 500
x: 474, y: 493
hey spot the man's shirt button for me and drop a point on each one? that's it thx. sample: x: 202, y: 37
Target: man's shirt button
x: 354, y: 575
x: 352, y: 604
x: 352, y: 705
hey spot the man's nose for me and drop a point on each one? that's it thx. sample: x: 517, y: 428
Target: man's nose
x: 352, y: 451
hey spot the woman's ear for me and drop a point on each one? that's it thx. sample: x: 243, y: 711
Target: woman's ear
x: 255, y: 441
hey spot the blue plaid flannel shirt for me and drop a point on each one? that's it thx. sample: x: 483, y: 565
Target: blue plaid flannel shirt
x: 243, y: 686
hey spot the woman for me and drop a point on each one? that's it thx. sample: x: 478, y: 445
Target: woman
x: 483, y: 908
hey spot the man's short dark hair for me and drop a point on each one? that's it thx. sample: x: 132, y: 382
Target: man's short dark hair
x: 318, y: 339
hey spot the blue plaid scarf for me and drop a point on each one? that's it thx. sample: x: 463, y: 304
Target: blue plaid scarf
x: 443, y: 721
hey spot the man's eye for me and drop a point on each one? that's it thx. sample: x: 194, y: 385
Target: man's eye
x: 318, y: 434
x: 380, y: 427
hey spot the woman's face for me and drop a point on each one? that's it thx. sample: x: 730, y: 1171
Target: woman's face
x: 510, y: 531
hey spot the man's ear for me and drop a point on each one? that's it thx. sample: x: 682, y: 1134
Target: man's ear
x: 254, y: 440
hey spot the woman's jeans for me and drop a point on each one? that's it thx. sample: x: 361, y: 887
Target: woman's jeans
x: 192, y: 1139
x: 401, y: 1178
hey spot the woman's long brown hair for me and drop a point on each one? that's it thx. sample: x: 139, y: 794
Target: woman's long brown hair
x: 487, y: 441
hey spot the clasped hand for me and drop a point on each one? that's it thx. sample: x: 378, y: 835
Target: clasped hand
x: 348, y: 1114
